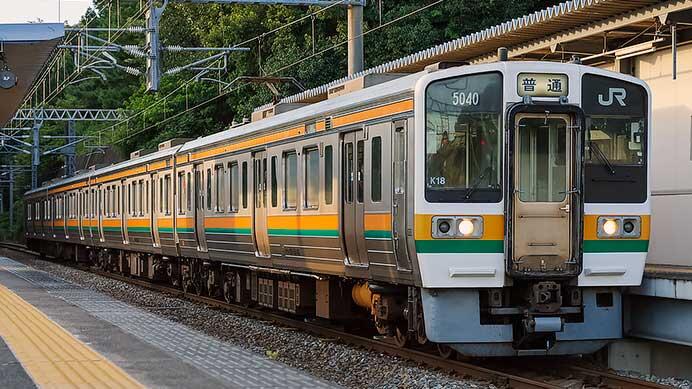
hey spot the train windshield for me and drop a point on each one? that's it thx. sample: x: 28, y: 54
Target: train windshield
x: 616, y: 137
x: 463, y: 139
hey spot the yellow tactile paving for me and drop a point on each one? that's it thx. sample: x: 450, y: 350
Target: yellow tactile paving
x: 51, y: 356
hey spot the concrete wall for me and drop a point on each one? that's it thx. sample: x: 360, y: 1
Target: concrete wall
x: 671, y: 167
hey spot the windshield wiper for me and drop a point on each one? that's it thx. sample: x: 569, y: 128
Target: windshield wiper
x: 476, y: 184
x: 601, y: 155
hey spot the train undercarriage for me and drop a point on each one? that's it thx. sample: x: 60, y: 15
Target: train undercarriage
x: 535, y: 311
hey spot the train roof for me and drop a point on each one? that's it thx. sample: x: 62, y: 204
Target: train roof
x: 108, y: 169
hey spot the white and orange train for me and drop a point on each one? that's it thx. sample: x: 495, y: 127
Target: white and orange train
x: 493, y: 209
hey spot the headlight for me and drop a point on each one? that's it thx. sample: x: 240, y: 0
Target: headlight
x: 610, y: 227
x: 619, y: 227
x: 468, y: 227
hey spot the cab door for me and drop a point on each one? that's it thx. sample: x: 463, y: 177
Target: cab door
x: 259, y: 181
x: 353, y: 192
x: 542, y: 197
x: 399, y: 195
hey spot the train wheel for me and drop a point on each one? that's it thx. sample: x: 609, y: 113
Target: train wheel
x: 445, y: 351
x: 228, y: 288
x: 401, y: 337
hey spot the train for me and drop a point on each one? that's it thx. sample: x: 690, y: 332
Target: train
x: 494, y: 209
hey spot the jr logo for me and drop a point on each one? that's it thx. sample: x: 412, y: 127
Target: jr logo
x: 618, y: 93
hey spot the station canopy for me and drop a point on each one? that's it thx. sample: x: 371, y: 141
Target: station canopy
x: 24, y: 51
x: 596, y: 31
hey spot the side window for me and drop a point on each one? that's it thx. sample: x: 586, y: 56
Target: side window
x: 161, y: 195
x: 167, y: 194
x: 274, y: 184
x: 328, y: 175
x: 290, y: 180
x: 244, y: 189
x: 376, y: 170
x: 189, y: 192
x: 147, y: 198
x: 181, y: 195
x: 234, y: 187
x: 209, y: 180
x: 312, y: 178
x: 219, y: 188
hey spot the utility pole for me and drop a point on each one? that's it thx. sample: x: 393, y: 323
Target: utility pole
x: 154, y: 45
x: 35, y: 153
x: 70, y: 149
x: 11, y: 199
x: 355, y: 39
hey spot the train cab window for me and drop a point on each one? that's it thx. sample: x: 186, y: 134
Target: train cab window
x: 463, y: 139
x: 312, y: 178
x: 219, y: 175
x: 290, y: 180
x: 328, y: 175
x: 189, y: 192
x: 244, y: 188
x: 376, y: 169
x: 208, y: 194
x: 233, y: 187
x: 616, y: 140
x: 274, y: 183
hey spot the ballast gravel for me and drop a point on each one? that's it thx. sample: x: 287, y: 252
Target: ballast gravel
x: 325, y: 358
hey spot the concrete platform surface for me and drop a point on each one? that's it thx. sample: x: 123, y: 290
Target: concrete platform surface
x: 117, y: 338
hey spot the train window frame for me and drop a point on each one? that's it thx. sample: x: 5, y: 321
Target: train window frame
x: 328, y: 174
x: 233, y: 187
x: 208, y: 190
x: 182, y: 196
x: 376, y: 178
x: 308, y: 176
x: 244, y: 184
x: 290, y: 180
x: 189, y: 192
x: 492, y: 195
x: 219, y: 185
x: 167, y: 193
x: 631, y: 179
x: 274, y: 182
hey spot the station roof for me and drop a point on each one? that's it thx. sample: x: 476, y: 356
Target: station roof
x: 25, y: 48
x: 590, y: 29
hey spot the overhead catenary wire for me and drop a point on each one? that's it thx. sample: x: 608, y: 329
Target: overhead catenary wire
x: 228, y: 91
x: 258, y: 38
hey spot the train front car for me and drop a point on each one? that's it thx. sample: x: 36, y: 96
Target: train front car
x: 532, y: 205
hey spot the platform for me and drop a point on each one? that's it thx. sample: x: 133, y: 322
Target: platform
x: 57, y: 334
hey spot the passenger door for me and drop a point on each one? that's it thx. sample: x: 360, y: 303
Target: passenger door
x: 542, y: 199
x: 259, y: 182
x: 353, y: 191
x: 199, y: 190
x: 124, y: 194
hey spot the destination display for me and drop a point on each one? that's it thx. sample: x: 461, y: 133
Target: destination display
x: 542, y: 85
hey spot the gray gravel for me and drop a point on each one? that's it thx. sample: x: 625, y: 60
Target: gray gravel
x: 324, y: 358
x: 670, y: 381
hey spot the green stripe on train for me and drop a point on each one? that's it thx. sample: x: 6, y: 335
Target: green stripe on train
x: 138, y: 229
x: 241, y: 231
x: 378, y: 234
x: 616, y: 246
x: 111, y: 229
x: 459, y: 246
x: 314, y: 233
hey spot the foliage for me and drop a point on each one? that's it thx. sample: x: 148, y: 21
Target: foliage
x: 285, y: 48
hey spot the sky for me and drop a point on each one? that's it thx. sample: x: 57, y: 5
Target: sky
x: 50, y: 11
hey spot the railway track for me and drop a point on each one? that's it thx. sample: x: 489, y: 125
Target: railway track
x: 561, y: 375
